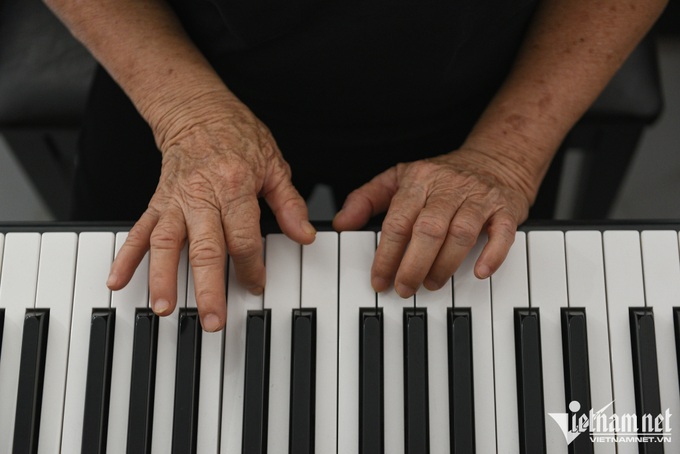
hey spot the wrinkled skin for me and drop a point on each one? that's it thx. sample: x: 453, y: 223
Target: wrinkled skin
x: 212, y: 174
x: 437, y: 209
x: 214, y: 169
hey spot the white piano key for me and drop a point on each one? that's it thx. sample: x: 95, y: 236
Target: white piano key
x: 623, y: 274
x: 17, y: 293
x: 56, y: 277
x: 509, y: 289
x: 437, y: 304
x: 586, y: 286
x: 320, y: 291
x: 357, y: 250
x: 471, y: 292
x: 661, y: 267
x: 164, y: 392
x: 393, y: 356
x: 239, y: 302
x: 95, y: 253
x: 125, y: 301
x: 548, y: 292
x: 210, y: 387
x: 281, y: 296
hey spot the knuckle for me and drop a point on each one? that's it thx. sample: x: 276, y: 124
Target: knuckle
x: 236, y: 174
x: 418, y: 168
x: 242, y: 206
x: 504, y: 227
x: 277, y: 181
x: 139, y: 235
x: 463, y: 232
x: 282, y: 170
x: 206, y: 251
x: 223, y: 178
x: 292, y: 204
x: 432, y: 227
x: 398, y: 225
x: 236, y: 200
x: 244, y: 246
x: 163, y: 237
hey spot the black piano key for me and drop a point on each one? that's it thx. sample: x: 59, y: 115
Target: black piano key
x: 31, y: 376
x: 303, y: 382
x: 576, y: 371
x: 98, y: 386
x: 187, y: 380
x: 143, y: 378
x: 371, y: 376
x: 461, y: 393
x: 417, y: 414
x: 2, y: 324
x: 676, y: 323
x: 645, y: 374
x: 255, y: 394
x: 529, y: 381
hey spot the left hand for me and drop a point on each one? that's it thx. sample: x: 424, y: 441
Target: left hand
x: 436, y: 209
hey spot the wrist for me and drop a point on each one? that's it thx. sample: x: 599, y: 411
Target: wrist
x: 522, y: 135
x: 520, y: 165
x: 179, y: 109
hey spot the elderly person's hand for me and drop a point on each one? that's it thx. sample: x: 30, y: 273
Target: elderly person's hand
x: 218, y: 158
x: 436, y: 209
x: 214, y: 168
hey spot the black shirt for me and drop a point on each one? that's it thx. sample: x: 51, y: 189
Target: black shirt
x: 359, y: 84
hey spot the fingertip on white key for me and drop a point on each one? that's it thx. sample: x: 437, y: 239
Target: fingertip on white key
x: 211, y: 323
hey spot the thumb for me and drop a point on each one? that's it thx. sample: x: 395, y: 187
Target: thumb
x: 370, y: 199
x: 290, y: 210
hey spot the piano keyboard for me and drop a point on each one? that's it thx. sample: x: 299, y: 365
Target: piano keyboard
x: 572, y: 321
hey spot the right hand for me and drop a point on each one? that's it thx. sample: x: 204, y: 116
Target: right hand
x: 217, y: 159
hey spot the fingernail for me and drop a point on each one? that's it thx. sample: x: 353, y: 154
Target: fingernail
x: 483, y: 271
x: 257, y: 290
x: 379, y: 284
x: 161, y: 306
x: 404, y: 290
x: 211, y: 323
x: 308, y: 228
x: 112, y: 280
x: 431, y: 284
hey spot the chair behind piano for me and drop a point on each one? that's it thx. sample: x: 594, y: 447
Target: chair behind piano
x: 603, y: 143
x: 44, y: 80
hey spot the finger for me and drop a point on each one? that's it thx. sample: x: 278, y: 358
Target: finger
x: 132, y: 252
x: 460, y: 239
x: 241, y: 222
x: 501, y: 229
x: 167, y: 241
x: 290, y: 210
x: 429, y: 233
x: 370, y: 199
x: 396, y: 233
x: 207, y: 254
